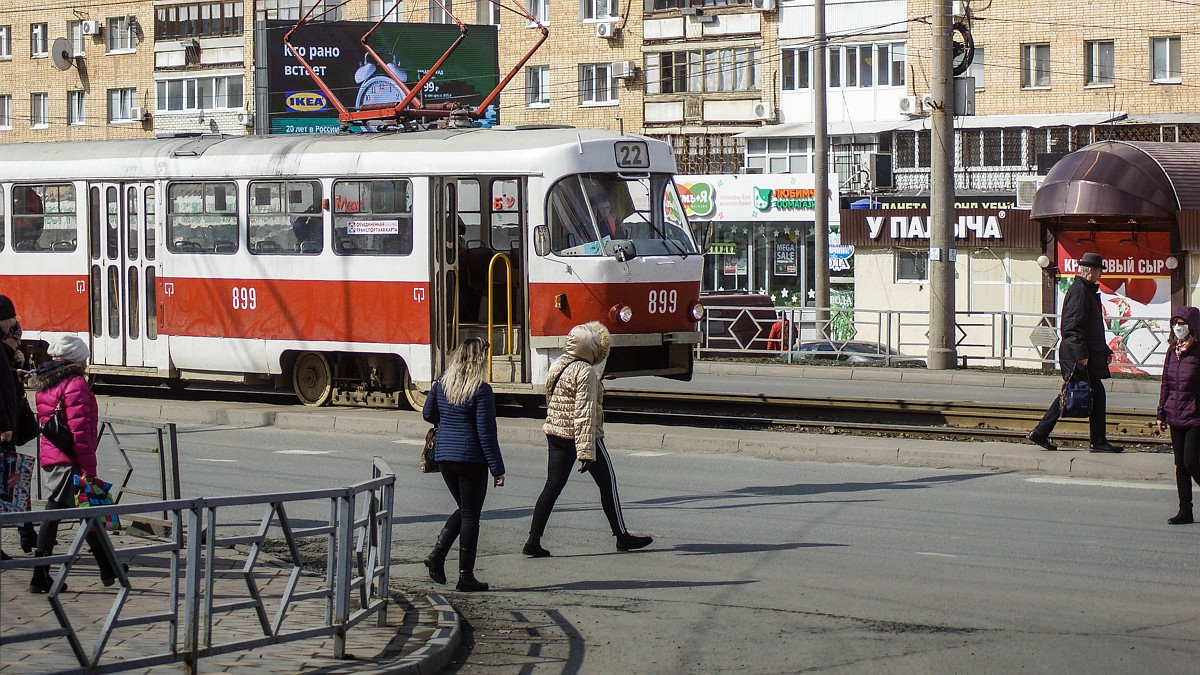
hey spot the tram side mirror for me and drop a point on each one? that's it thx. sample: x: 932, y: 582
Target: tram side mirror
x: 624, y: 250
x: 541, y: 240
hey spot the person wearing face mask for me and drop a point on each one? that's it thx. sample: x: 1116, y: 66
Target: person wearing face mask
x: 1083, y: 352
x: 1177, y: 405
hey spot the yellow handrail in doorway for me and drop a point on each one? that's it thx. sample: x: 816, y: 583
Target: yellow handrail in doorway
x: 508, y: 295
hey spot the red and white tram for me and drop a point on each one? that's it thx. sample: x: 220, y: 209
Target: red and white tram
x: 348, y: 266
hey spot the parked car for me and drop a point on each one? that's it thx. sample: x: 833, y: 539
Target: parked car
x: 852, y: 351
x: 736, y: 324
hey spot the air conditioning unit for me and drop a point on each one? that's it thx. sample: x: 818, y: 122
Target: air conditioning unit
x: 606, y: 30
x: 246, y: 119
x: 927, y: 102
x: 623, y: 69
x: 764, y: 110
x: 90, y: 27
x: 879, y: 168
x: 1027, y: 187
x: 137, y: 114
x: 910, y: 105
x: 763, y: 5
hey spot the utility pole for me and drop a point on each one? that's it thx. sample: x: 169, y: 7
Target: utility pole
x: 942, y: 331
x: 820, y: 68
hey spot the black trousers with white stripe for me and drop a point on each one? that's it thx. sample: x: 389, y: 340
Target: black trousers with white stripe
x: 559, y: 464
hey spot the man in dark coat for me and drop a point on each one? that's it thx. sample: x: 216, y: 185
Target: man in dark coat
x: 1083, y: 352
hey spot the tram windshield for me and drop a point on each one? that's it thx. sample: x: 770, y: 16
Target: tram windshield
x: 594, y: 214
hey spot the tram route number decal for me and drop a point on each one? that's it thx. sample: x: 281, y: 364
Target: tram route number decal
x: 632, y: 155
x: 663, y: 302
x: 245, y: 297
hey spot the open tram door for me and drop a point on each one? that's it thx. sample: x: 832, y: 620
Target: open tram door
x: 122, y: 278
x: 480, y: 288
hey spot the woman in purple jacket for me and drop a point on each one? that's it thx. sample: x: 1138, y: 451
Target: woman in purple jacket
x: 63, y: 382
x: 1177, y: 405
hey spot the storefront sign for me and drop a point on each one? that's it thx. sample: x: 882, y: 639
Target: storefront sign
x: 722, y: 248
x: 916, y: 227
x: 785, y: 259
x: 749, y: 197
x: 884, y: 228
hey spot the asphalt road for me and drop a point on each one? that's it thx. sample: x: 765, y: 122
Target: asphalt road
x: 778, y: 567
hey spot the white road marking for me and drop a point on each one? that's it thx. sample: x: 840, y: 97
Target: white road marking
x: 209, y: 459
x: 1128, y: 484
x: 648, y: 454
x: 303, y: 452
x: 936, y: 555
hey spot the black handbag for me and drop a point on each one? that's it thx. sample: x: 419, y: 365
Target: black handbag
x: 57, y: 432
x: 1076, y: 397
x: 428, y: 465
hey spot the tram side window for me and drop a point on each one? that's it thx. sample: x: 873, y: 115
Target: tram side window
x: 506, y: 215
x: 571, y: 227
x: 372, y: 217
x: 202, y: 218
x: 44, y: 218
x: 285, y: 218
x: 2, y: 218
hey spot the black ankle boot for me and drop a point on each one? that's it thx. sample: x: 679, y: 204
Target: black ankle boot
x: 469, y: 584
x: 28, y: 537
x: 533, y: 547
x: 41, y: 580
x: 436, y: 560
x: 1184, y: 517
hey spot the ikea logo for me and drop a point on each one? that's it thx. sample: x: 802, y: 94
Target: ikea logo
x: 307, y: 101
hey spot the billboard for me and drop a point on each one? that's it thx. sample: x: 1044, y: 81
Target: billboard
x: 335, y: 51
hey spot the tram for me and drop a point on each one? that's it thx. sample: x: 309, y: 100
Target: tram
x: 348, y: 266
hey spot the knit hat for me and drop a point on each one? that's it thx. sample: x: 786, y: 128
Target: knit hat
x: 69, y: 348
x: 7, y: 310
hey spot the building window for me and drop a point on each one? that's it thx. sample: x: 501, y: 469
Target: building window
x: 441, y: 13
x: 975, y: 70
x: 487, y: 13
x: 37, y: 41
x: 795, y: 70
x: 1098, y: 62
x: 890, y: 64
x: 121, y: 35
x: 5, y: 111
x: 835, y: 67
x: 327, y: 10
x: 376, y: 8
x: 1035, y: 65
x: 537, y: 86
x: 912, y: 265
x: 1164, y: 59
x: 598, y: 10
x: 39, y: 111
x: 702, y: 71
x: 223, y: 92
x: 596, y: 84
x: 5, y: 42
x: 120, y: 104
x: 75, y: 109
x: 779, y: 155
x: 206, y: 19
x: 912, y: 149
x: 540, y: 9
x: 76, y: 37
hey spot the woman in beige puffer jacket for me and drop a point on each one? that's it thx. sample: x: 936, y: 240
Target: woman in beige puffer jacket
x: 575, y: 430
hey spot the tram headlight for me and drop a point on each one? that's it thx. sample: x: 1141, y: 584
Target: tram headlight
x: 622, y: 313
x: 697, y: 311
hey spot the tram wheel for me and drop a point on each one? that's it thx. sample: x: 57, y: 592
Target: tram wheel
x: 414, y: 396
x: 312, y: 379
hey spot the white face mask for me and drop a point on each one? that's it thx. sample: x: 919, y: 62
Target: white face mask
x: 1181, y: 331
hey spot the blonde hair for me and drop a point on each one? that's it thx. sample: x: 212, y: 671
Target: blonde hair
x: 465, y: 373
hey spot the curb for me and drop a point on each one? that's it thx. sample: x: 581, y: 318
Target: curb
x: 439, y: 647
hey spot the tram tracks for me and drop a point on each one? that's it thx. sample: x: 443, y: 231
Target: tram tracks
x: 932, y: 419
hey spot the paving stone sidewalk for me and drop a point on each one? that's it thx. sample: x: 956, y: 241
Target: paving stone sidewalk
x: 421, y: 634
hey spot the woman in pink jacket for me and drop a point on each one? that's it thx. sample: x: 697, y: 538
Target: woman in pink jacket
x: 62, y: 382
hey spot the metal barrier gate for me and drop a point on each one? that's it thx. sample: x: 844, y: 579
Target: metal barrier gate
x: 354, y: 588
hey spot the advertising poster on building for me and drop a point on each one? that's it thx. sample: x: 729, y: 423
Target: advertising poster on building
x: 336, y: 53
x: 786, y: 261
x: 1135, y: 292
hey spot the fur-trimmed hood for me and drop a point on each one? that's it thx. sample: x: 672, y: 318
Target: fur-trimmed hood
x: 49, y: 374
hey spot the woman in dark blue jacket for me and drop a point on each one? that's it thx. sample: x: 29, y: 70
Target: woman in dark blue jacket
x: 1177, y: 405
x: 463, y: 408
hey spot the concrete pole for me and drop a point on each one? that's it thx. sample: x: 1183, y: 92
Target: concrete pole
x: 942, y: 333
x: 821, y: 169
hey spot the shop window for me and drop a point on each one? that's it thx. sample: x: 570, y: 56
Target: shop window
x: 912, y: 265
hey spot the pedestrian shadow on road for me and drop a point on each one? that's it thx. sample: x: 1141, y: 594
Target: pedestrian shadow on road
x: 717, y: 549
x: 627, y: 585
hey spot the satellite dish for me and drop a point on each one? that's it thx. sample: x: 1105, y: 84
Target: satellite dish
x: 61, y: 54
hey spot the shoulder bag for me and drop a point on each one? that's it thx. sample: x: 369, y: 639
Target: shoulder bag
x: 428, y: 464
x: 1076, y: 397
x: 57, y: 432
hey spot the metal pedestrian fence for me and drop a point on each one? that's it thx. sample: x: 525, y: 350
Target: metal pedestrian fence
x: 225, y: 583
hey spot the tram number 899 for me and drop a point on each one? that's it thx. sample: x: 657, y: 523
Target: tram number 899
x: 663, y: 302
x: 245, y: 297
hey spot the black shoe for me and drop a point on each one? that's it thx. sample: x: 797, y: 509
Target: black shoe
x: 1106, y: 447
x: 40, y: 583
x: 1041, y: 441
x: 533, y: 549
x: 437, y: 568
x: 28, y: 538
x: 1184, y: 517
x: 109, y: 580
x: 469, y: 584
x: 632, y: 542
